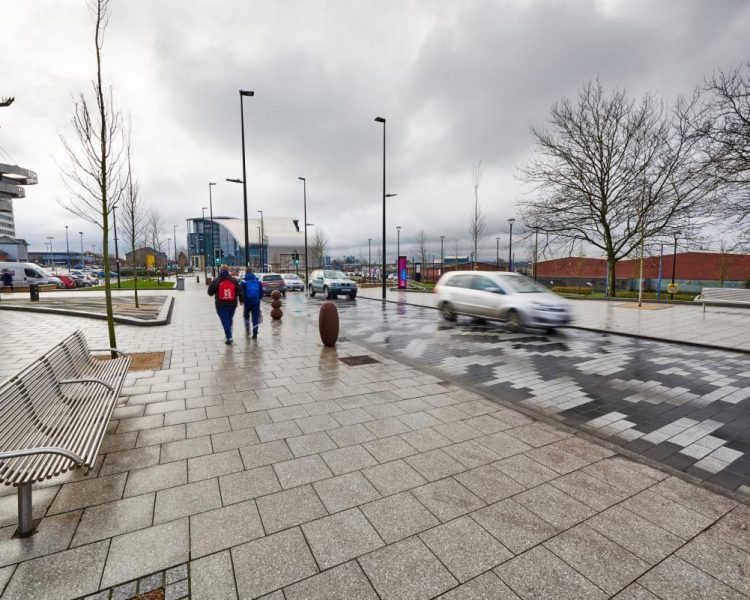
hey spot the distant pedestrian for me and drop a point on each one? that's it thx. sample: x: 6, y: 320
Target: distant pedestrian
x: 7, y: 279
x: 253, y: 292
x: 227, y: 292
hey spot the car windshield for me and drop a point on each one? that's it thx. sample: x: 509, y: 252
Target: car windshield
x: 524, y: 285
x: 292, y: 277
x: 334, y: 275
x: 271, y: 277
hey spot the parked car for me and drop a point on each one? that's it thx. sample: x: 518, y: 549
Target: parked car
x: 67, y: 281
x: 293, y: 282
x: 271, y: 282
x: 112, y: 275
x: 331, y: 284
x: 516, y: 299
x: 25, y: 273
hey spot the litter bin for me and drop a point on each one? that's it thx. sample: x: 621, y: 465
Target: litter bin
x: 34, y: 292
x: 181, y: 283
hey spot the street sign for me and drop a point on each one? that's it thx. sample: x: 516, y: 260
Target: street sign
x: 672, y: 288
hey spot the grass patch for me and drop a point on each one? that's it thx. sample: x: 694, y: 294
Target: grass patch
x: 143, y: 284
x: 620, y: 295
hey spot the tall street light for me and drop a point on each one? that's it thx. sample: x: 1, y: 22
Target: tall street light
x: 674, y: 265
x: 174, y: 240
x: 67, y: 247
x: 369, y: 258
x: 497, y: 253
x: 211, y: 213
x: 51, y: 257
x: 398, y: 243
x: 442, y: 238
x: 82, y: 263
x: 304, y: 219
x: 205, y: 248
x: 117, y: 253
x: 382, y: 120
x: 247, y: 241
x: 510, y: 246
x: 244, y: 93
x: 262, y: 244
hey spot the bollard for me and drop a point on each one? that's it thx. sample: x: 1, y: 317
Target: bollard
x: 276, y: 312
x: 197, y: 279
x: 328, y: 324
x: 34, y: 292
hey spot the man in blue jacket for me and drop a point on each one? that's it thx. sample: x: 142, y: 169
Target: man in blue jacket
x: 252, y: 290
x: 228, y: 292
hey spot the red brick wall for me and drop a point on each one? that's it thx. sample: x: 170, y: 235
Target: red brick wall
x: 690, y: 265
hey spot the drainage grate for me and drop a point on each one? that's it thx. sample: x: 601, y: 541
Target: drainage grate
x: 355, y: 361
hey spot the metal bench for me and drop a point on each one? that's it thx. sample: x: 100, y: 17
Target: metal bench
x: 53, y: 416
x: 724, y: 296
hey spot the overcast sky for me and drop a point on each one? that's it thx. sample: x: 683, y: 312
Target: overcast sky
x: 458, y: 82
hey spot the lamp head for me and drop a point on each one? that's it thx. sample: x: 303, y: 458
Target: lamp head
x: 380, y: 119
x: 301, y: 178
x: 246, y: 93
x: 211, y: 183
x: 390, y: 195
x: 235, y: 180
x: 511, y: 221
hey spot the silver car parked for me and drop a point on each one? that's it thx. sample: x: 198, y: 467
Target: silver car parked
x: 510, y: 297
x: 331, y: 284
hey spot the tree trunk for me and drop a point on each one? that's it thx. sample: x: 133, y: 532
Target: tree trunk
x: 611, y: 264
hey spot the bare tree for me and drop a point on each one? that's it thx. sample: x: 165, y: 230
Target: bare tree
x: 725, y: 124
x: 95, y: 152
x: 132, y: 212
x: 478, y: 221
x: 423, y: 246
x: 615, y: 173
x: 318, y: 248
x: 154, y: 230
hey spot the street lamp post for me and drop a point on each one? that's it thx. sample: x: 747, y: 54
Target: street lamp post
x: 82, y: 263
x: 398, y: 243
x: 260, y: 241
x: 168, y: 240
x: 304, y: 220
x: 369, y: 259
x: 674, y: 266
x: 262, y: 244
x: 244, y: 93
x: 51, y: 257
x: 536, y: 250
x: 497, y: 253
x: 67, y: 247
x: 382, y: 120
x: 205, y: 248
x: 211, y: 214
x: 510, y: 246
x: 442, y: 256
x: 117, y: 253
x: 174, y: 241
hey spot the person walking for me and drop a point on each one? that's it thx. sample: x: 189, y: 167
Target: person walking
x: 253, y: 292
x: 7, y: 280
x: 227, y: 292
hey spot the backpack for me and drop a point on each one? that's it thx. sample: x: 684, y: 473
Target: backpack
x: 252, y: 289
x: 227, y: 292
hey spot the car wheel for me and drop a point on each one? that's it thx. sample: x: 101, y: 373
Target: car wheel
x: 327, y: 292
x: 352, y: 296
x: 447, y: 312
x: 513, y: 321
x: 312, y: 292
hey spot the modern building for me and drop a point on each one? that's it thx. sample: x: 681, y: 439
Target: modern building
x: 147, y: 257
x: 273, y: 242
x: 12, y: 177
x: 13, y: 249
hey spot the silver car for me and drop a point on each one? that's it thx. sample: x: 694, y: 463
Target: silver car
x: 331, y: 284
x: 518, y: 300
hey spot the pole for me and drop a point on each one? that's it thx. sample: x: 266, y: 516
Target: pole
x: 674, y: 266
x: 213, y: 250
x: 536, y: 251
x: 244, y: 176
x: 262, y: 244
x: 442, y: 256
x: 369, y: 259
x: 205, y: 248
x: 82, y: 263
x: 398, y: 244
x: 260, y: 241
x: 51, y: 256
x: 382, y: 274
x: 640, y: 277
x: 67, y: 247
x: 658, y: 282
x: 510, y: 246
x: 304, y: 215
x: 497, y: 254
x: 174, y: 241
x: 117, y: 253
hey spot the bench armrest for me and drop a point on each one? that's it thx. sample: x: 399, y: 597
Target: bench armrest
x: 107, y: 350
x: 88, y: 380
x: 44, y: 450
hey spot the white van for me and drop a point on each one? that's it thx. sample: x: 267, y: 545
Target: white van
x: 25, y: 273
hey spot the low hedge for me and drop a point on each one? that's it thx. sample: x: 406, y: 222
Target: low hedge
x: 579, y: 291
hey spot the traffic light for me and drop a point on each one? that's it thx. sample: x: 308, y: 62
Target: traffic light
x: 295, y: 257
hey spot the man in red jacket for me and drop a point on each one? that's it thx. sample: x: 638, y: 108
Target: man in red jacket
x: 227, y: 292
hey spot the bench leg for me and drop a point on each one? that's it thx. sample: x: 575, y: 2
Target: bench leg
x: 26, y: 523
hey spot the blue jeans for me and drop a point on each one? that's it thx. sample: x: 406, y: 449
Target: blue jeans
x: 254, y: 308
x: 226, y: 314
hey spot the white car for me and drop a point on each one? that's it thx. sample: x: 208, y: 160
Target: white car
x: 293, y: 282
x: 518, y: 300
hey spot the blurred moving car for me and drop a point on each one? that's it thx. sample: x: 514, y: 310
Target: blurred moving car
x: 516, y: 299
x: 67, y: 281
x: 331, y: 284
x: 293, y: 282
x: 271, y: 282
